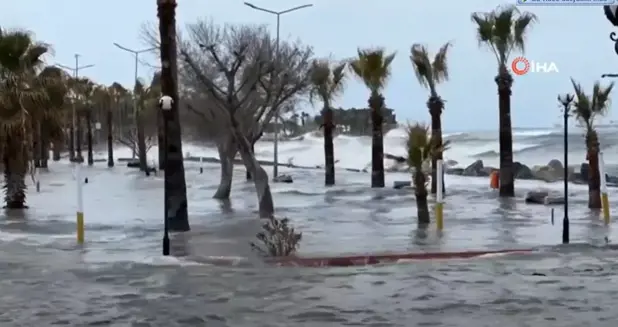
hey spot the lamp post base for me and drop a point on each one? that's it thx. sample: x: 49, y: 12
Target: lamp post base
x: 166, y: 244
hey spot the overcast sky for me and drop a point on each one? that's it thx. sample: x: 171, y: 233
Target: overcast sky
x: 576, y: 39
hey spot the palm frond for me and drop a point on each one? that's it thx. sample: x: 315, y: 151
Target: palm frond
x: 373, y: 68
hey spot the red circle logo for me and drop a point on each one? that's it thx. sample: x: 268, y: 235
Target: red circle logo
x: 520, y: 66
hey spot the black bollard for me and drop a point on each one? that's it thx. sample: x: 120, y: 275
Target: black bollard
x: 86, y: 180
x: 201, y: 170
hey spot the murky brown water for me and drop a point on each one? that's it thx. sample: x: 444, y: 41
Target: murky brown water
x: 119, y: 278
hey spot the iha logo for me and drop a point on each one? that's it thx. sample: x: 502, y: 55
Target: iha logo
x: 521, y: 66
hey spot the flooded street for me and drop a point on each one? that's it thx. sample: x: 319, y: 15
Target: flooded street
x: 119, y: 278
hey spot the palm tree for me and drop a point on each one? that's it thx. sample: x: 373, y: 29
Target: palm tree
x: 421, y: 149
x: 49, y: 119
x: 84, y: 89
x: 430, y: 74
x: 20, y: 59
x: 116, y: 92
x: 373, y: 68
x: 504, y: 31
x: 175, y: 183
x: 327, y: 83
x: 586, y: 109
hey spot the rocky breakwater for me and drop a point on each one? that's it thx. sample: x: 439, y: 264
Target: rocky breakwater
x: 553, y: 171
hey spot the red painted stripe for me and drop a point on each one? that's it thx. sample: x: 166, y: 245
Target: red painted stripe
x: 362, y: 260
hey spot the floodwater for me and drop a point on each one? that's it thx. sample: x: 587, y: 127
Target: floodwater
x: 118, y: 278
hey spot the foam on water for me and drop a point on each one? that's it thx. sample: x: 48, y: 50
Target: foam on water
x: 530, y: 146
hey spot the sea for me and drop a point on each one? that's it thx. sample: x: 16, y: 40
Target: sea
x: 119, y: 278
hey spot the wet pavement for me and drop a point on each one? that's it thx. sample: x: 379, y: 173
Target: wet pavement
x: 119, y: 278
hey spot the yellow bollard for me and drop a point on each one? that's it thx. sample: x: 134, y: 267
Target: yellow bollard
x: 604, y: 195
x: 439, y: 196
x: 80, y: 204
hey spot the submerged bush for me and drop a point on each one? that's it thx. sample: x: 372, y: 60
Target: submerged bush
x: 277, y: 239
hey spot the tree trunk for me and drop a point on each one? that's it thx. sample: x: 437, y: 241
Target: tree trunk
x: 247, y: 172
x: 376, y: 103
x: 15, y: 170
x: 594, y: 176
x: 110, y: 139
x: 420, y: 191
x: 435, y: 110
x: 160, y: 140
x: 37, y: 145
x: 56, y: 151
x: 71, y: 143
x: 44, y: 140
x: 175, y: 184
x: 329, y: 148
x: 266, y: 206
x: 141, y: 141
x: 78, y: 139
x: 507, y: 176
x: 227, y: 152
x: 89, y: 137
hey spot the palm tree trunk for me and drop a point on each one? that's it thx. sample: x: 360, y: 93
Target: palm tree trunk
x: 420, y: 191
x: 329, y: 147
x: 435, y: 109
x: 160, y: 140
x: 175, y: 184
x: 507, y: 176
x: 110, y: 139
x: 89, y: 137
x: 36, y: 148
x: 78, y: 139
x: 44, y: 140
x: 141, y: 142
x: 15, y: 170
x: 71, y: 143
x: 56, y: 151
x: 376, y: 103
x: 594, y: 176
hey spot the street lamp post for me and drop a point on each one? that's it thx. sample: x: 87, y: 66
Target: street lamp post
x: 72, y: 136
x: 276, y: 126
x: 566, y: 101
x: 165, y: 102
x: 136, y: 114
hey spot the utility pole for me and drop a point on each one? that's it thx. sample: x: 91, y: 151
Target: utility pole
x: 276, y: 126
x: 136, y: 113
x: 73, y: 131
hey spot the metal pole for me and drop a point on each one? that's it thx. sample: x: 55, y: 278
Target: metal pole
x: 565, y: 221
x: 276, y: 145
x: 75, y: 71
x: 166, y: 237
x: 276, y: 127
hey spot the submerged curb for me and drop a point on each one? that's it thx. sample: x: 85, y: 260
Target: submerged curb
x: 364, y: 260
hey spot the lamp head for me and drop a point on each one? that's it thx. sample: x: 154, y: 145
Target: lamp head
x: 165, y: 102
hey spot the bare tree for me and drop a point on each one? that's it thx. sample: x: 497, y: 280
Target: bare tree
x: 246, y: 84
x: 130, y: 139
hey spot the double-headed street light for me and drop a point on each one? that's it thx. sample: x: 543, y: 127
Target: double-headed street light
x: 278, y: 14
x: 165, y: 103
x: 72, y: 137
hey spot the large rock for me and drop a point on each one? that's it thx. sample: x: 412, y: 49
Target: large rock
x: 583, y: 171
x: 522, y: 171
x: 537, y: 197
x: 544, y: 197
x: 454, y: 171
x: 283, y: 179
x: 401, y: 184
x: 475, y: 169
x: 555, y: 164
